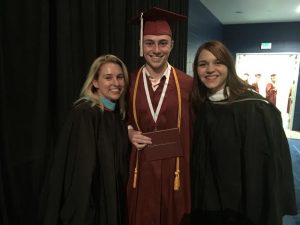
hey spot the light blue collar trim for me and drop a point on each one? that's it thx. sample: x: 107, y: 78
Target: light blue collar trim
x: 107, y: 103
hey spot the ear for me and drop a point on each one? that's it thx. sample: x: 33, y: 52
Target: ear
x: 95, y: 84
x: 172, y: 44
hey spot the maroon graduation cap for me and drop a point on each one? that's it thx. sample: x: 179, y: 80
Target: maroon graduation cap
x: 156, y: 21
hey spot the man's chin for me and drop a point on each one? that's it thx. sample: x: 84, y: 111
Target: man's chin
x: 157, y: 64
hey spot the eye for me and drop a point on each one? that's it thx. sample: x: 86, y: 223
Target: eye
x: 108, y: 77
x: 202, y: 64
x: 148, y: 43
x: 120, y: 76
x: 163, y: 43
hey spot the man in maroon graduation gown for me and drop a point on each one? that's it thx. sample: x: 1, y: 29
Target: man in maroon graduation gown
x: 271, y: 90
x: 159, y: 188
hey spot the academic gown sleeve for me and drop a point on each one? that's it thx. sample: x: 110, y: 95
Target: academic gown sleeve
x: 67, y: 194
x: 268, y: 186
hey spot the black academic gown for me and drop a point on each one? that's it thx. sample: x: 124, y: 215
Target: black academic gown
x: 88, y: 177
x: 240, y: 165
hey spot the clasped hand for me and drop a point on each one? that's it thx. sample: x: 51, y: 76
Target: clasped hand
x: 139, y: 140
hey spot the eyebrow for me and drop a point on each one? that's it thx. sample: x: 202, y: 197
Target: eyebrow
x: 156, y: 40
x: 204, y: 60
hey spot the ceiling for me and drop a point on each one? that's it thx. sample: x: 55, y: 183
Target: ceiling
x: 253, y: 11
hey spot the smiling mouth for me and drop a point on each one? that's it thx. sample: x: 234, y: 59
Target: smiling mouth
x: 211, y: 77
x: 116, y: 90
x: 156, y: 57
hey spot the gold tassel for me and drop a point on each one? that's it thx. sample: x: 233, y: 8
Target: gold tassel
x: 135, y: 177
x: 136, y: 170
x: 177, y: 176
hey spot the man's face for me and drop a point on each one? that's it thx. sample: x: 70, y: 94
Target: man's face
x: 257, y: 76
x: 273, y: 78
x: 157, y: 49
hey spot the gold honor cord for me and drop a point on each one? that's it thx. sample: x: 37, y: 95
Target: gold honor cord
x: 137, y: 125
x: 177, y: 171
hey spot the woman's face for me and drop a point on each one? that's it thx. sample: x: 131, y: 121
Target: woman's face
x: 211, y: 71
x: 110, y: 82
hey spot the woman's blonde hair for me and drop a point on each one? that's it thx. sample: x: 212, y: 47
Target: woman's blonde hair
x: 88, y: 90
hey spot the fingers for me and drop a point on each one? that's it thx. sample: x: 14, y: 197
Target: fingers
x: 139, y: 140
x: 139, y: 146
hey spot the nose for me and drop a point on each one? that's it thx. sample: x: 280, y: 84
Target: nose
x: 156, y: 48
x: 116, y: 81
x: 210, y: 67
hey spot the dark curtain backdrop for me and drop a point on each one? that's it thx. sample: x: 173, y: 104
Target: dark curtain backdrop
x: 46, y: 48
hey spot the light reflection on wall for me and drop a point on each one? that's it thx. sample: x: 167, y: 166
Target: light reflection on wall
x: 285, y: 65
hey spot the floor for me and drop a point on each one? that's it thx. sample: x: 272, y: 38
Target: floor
x: 294, y: 143
x: 291, y: 134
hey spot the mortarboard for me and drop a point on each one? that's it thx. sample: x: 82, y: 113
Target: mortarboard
x: 156, y: 21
